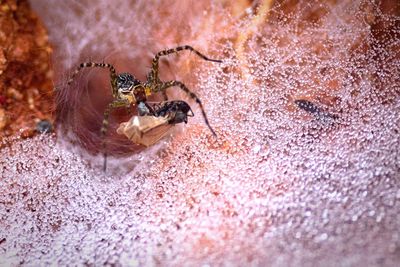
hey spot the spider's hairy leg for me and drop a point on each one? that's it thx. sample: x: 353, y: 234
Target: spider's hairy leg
x: 192, y: 95
x: 154, y: 69
x: 104, y: 127
x: 113, y: 74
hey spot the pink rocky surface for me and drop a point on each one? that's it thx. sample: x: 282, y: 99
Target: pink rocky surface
x: 280, y: 186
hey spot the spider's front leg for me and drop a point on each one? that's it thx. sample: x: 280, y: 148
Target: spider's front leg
x: 113, y: 74
x: 192, y: 95
x: 154, y: 83
x: 104, y: 127
x: 153, y: 75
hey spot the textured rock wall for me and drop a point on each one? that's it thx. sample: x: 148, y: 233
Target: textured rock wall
x: 305, y: 170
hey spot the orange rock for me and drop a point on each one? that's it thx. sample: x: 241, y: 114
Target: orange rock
x: 24, y: 64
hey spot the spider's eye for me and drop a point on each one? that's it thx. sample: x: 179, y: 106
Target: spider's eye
x: 125, y: 82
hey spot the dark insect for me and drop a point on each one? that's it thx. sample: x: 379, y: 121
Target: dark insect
x: 307, y: 106
x: 154, y: 121
x: 176, y: 111
x: 127, y: 90
x: 312, y: 108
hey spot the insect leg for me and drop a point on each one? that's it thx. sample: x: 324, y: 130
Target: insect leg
x: 192, y: 95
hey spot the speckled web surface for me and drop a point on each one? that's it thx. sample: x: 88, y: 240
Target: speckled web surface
x: 279, y: 187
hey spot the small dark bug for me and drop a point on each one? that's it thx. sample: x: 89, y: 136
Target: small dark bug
x: 312, y: 108
x: 44, y: 126
x: 307, y: 106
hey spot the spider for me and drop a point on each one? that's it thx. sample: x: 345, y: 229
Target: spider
x: 127, y: 90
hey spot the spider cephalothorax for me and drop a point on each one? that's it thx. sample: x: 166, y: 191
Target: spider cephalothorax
x: 126, y: 82
x: 127, y: 90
